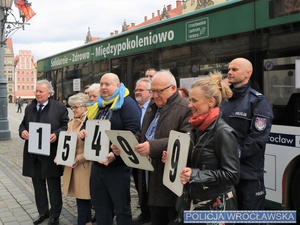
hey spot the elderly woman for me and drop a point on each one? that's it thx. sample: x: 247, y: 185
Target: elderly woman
x: 76, y: 179
x: 213, y: 165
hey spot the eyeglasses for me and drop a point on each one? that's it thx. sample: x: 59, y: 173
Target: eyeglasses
x: 161, y: 90
x: 141, y: 90
x: 74, y: 107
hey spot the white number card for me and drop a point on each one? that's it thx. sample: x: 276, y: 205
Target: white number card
x: 66, y: 148
x: 96, y: 145
x: 177, y: 153
x: 39, y: 138
x: 125, y: 141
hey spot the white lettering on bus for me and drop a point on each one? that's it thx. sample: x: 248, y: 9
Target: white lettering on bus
x: 81, y: 56
x: 137, y: 42
x: 58, y: 61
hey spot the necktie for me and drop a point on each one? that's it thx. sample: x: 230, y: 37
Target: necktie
x: 152, y: 128
x: 39, y: 112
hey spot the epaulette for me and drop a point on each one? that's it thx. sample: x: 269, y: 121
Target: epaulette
x: 256, y: 93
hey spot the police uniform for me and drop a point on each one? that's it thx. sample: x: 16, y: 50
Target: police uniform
x: 250, y: 114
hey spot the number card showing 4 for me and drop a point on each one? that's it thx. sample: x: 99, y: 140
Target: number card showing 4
x: 39, y: 139
x: 177, y: 153
x: 96, y: 145
x: 66, y: 148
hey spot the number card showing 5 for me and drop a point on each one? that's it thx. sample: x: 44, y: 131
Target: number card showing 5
x: 66, y: 148
x: 96, y: 145
x: 177, y: 153
x: 39, y: 139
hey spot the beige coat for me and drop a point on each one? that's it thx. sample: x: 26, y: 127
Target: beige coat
x: 76, y: 181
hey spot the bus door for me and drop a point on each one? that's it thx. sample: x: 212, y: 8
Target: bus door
x: 282, y: 156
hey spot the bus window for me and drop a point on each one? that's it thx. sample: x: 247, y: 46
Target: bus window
x: 279, y: 87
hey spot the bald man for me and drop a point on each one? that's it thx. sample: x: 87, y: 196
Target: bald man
x: 110, y: 180
x: 250, y: 114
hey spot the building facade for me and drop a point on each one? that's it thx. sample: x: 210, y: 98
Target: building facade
x: 25, y: 76
x: 9, y: 70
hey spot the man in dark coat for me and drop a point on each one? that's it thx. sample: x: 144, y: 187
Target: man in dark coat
x: 169, y: 111
x: 42, y: 169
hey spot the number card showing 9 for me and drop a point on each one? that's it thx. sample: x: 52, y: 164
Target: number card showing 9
x: 66, y: 148
x: 39, y: 138
x: 177, y: 153
x: 125, y: 141
x: 96, y: 144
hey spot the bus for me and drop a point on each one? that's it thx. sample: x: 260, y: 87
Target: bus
x: 267, y: 32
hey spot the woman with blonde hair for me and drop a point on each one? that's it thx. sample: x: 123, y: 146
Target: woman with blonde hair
x: 213, y: 164
x: 213, y: 167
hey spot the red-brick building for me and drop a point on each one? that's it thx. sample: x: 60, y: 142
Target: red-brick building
x: 25, y: 75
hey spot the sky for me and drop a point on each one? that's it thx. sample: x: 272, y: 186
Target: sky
x: 61, y: 25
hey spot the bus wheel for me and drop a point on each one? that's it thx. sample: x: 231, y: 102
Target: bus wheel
x: 295, y: 192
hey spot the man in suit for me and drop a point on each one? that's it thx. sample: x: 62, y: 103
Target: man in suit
x: 42, y: 169
x: 143, y: 97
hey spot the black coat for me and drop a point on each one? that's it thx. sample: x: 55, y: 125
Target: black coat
x: 56, y: 114
x: 214, y: 161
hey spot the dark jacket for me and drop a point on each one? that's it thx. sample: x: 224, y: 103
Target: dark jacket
x: 125, y: 118
x: 214, y: 161
x: 55, y: 114
x: 250, y: 114
x: 173, y: 116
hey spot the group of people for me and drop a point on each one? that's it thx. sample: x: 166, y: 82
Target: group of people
x: 228, y: 127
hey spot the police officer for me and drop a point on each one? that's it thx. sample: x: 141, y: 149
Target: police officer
x: 250, y: 114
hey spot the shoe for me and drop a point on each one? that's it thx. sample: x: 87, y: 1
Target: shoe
x: 140, y: 220
x: 40, y: 219
x: 53, y: 221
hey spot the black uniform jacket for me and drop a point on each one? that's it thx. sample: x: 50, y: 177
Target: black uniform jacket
x: 249, y: 113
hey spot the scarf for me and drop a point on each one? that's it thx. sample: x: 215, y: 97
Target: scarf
x: 203, y: 121
x: 116, y: 101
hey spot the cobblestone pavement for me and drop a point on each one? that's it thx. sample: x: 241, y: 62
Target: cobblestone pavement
x: 17, y: 205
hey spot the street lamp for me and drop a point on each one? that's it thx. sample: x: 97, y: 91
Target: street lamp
x: 6, y: 29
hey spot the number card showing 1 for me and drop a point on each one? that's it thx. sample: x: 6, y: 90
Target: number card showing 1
x: 39, y: 139
x: 66, y: 148
x: 96, y: 145
x: 125, y: 141
x: 177, y: 153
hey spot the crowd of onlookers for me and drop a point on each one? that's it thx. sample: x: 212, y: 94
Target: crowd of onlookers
x: 228, y: 123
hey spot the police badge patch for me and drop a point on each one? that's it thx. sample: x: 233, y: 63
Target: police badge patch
x: 260, y: 123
